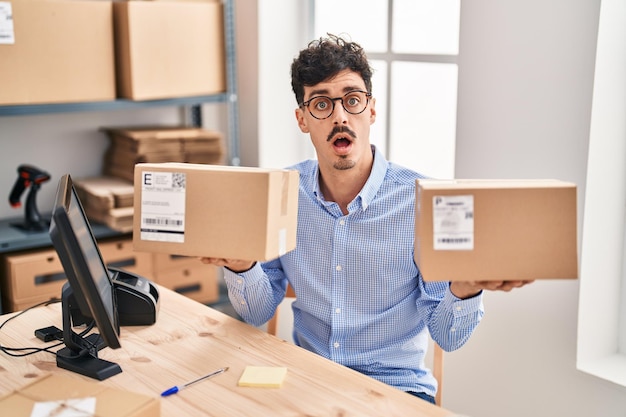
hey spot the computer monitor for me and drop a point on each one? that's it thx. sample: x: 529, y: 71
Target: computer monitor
x: 89, y: 295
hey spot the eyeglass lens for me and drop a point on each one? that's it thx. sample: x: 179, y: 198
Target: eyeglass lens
x: 322, y: 107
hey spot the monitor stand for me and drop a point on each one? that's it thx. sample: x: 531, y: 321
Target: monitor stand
x: 81, y: 353
x: 87, y: 365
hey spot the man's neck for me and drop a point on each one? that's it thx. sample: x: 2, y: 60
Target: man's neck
x: 342, y: 186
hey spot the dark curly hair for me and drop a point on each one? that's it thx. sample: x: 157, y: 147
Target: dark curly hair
x: 324, y: 58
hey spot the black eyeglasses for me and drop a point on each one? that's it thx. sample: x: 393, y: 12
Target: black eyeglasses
x: 322, y: 107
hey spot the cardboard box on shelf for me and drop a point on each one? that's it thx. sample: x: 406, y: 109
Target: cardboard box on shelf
x: 169, y: 49
x: 9, y: 306
x: 165, y: 261
x: 217, y: 211
x: 194, y: 280
x: 34, y: 276
x: 57, y: 51
x: 119, y: 253
x: 74, y: 396
x: 468, y: 230
x: 107, y: 200
x: 120, y: 219
x: 187, y: 275
x: 31, y: 277
x: 104, y: 193
x: 155, y: 144
x: 164, y: 139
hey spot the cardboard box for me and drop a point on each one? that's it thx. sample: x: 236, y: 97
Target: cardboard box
x: 175, y: 140
x: 54, y: 394
x: 188, y: 276
x: 169, y: 49
x: 165, y: 261
x: 215, y: 211
x: 104, y: 193
x: 119, y: 253
x: 107, y: 200
x: 154, y: 144
x: 57, y: 51
x: 35, y: 276
x: 194, y: 280
x: 10, y: 306
x: 467, y: 230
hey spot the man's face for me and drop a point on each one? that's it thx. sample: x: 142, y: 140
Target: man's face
x: 341, y: 140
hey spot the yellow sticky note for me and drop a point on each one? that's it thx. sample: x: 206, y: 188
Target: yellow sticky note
x: 262, y: 376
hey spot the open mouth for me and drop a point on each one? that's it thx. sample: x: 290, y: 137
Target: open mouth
x: 342, y: 139
x: 342, y: 142
x: 342, y: 145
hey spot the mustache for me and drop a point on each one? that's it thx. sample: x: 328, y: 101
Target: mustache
x: 341, y: 129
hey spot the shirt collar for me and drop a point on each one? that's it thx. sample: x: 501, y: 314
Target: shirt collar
x: 375, y: 180
x: 371, y: 187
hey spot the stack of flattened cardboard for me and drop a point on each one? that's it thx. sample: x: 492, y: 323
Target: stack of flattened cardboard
x: 107, y: 200
x: 130, y: 146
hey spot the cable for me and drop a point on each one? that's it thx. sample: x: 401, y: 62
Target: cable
x: 25, y: 351
x: 29, y: 350
x: 84, y: 351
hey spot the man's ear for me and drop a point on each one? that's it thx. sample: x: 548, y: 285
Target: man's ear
x: 301, y: 120
x: 372, y: 107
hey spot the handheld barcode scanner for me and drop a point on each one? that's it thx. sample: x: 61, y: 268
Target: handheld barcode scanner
x: 29, y: 177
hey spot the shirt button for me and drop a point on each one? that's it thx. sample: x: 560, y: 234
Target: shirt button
x: 337, y: 310
x: 342, y: 222
x: 453, y: 329
x: 338, y: 267
x: 239, y: 281
x: 336, y: 344
x: 458, y: 308
x: 242, y: 302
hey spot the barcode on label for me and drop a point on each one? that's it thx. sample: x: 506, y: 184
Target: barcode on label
x: 163, y: 222
x: 453, y: 240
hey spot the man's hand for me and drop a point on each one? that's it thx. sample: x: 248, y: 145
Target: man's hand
x: 471, y: 288
x: 235, y: 265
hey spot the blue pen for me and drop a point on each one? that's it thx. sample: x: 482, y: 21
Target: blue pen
x: 177, y: 388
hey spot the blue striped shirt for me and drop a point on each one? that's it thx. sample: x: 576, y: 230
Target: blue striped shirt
x: 361, y: 300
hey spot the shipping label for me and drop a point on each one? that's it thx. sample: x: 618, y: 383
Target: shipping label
x: 453, y: 222
x: 163, y: 206
x: 7, y: 35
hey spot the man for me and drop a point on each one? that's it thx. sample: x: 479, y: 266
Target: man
x: 361, y: 300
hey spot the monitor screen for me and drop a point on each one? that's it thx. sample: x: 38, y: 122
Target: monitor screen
x: 87, y: 274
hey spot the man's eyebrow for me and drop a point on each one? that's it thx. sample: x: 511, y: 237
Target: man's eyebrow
x: 325, y: 91
x: 318, y: 92
x: 353, y: 88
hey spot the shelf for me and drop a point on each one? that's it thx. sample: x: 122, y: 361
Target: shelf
x: 32, y: 109
x: 229, y: 97
x: 15, y: 238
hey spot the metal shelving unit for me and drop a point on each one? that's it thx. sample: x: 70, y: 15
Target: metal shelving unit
x: 120, y: 104
x: 229, y: 98
x: 14, y: 239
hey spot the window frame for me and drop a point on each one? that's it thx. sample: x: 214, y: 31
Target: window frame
x: 601, y: 327
x: 387, y: 58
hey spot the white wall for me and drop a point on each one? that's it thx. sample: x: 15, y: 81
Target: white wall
x: 525, y: 91
x: 246, y: 43
x: 268, y: 42
x: 282, y: 33
x: 602, y: 348
x: 63, y: 143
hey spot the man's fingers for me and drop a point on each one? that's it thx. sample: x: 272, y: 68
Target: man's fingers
x: 503, y: 285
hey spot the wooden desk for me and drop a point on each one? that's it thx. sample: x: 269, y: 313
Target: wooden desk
x: 190, y: 340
